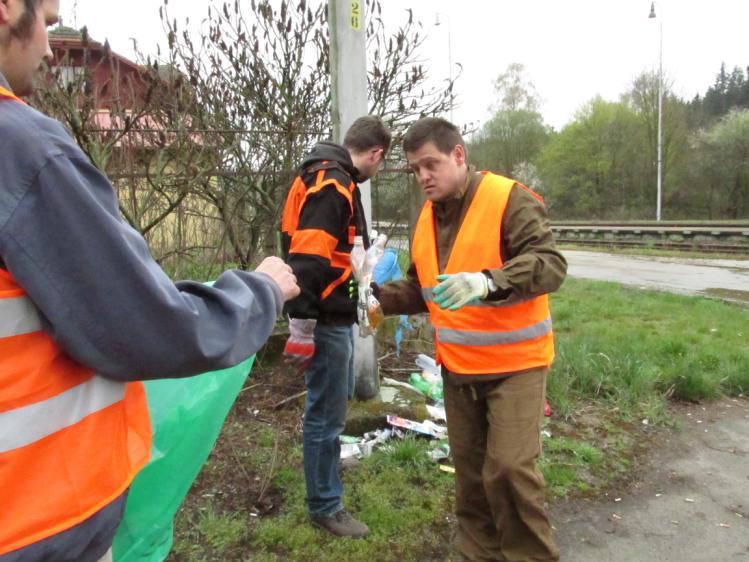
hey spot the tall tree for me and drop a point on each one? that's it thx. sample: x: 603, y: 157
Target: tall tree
x: 729, y: 91
x: 260, y: 70
x: 516, y: 132
x: 643, y: 98
x: 721, y: 174
x: 594, y: 167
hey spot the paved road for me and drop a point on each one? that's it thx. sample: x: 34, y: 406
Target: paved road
x: 727, y: 279
x: 691, y: 503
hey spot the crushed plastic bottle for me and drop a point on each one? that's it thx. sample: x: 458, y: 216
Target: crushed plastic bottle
x: 431, y: 390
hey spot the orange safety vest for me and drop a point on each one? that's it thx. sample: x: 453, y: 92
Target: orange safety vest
x: 5, y: 93
x: 315, y: 241
x: 71, y: 441
x: 483, y: 337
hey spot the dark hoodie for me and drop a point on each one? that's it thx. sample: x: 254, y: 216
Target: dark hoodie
x: 324, y: 236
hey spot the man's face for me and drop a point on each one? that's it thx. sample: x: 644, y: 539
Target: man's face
x: 369, y: 162
x: 22, y: 50
x: 439, y: 175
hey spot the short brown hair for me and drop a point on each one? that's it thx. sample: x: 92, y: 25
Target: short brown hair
x: 441, y: 132
x: 22, y: 29
x: 366, y: 133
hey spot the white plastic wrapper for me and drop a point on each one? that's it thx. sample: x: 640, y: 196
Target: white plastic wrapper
x: 363, y: 263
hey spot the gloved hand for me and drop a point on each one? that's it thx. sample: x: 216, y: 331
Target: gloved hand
x: 300, y: 347
x: 457, y: 290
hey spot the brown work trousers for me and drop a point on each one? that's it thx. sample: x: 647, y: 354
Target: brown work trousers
x: 493, y: 429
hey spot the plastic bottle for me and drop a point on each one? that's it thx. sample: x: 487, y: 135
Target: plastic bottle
x: 374, y: 253
x: 429, y: 367
x: 430, y: 390
x: 357, y: 256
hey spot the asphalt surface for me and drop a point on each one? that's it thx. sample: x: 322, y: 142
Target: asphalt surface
x: 725, y: 279
x: 689, y: 503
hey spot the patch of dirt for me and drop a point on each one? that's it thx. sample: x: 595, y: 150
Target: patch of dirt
x: 264, y: 424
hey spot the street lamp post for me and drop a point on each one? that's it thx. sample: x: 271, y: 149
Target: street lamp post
x: 659, y: 179
x: 437, y: 23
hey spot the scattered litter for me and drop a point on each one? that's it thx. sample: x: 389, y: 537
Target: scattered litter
x: 615, y: 516
x: 658, y: 495
x: 428, y: 427
x: 253, y: 514
x: 645, y: 422
x: 724, y: 525
x: 430, y: 389
x: 617, y: 499
x: 359, y: 447
x: 689, y: 500
x: 699, y: 421
x: 372, y: 439
x: 437, y: 412
x: 448, y: 469
x: 547, y: 409
x: 440, y: 452
x: 674, y: 522
x: 429, y: 366
x: 392, y: 382
x: 546, y: 433
x: 350, y: 450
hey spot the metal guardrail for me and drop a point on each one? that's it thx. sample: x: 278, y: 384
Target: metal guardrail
x: 696, y: 236
x: 727, y: 237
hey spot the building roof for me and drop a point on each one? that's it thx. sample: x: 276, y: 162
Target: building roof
x: 64, y: 32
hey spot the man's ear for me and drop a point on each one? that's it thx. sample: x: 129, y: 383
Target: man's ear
x: 460, y: 154
x: 4, y: 11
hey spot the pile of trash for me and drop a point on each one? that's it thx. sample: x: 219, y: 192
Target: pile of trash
x: 427, y: 382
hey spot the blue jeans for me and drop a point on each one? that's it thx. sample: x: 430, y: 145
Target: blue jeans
x: 329, y: 380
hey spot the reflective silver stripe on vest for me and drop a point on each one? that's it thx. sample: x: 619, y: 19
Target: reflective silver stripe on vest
x: 427, y: 294
x: 18, y: 316
x: 28, y: 424
x: 469, y: 337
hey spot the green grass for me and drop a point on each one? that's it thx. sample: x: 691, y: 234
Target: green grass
x: 621, y: 355
x: 398, y: 491
x: 633, y: 350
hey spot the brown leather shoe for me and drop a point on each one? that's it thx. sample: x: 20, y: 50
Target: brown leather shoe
x: 341, y: 524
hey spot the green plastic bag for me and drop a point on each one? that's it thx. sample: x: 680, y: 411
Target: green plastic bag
x: 186, y: 416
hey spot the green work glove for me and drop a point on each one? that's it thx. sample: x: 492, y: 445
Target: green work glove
x: 456, y: 291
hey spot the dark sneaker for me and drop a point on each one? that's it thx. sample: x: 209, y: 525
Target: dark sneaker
x: 341, y: 524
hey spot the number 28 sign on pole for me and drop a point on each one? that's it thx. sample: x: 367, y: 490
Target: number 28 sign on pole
x: 355, y: 15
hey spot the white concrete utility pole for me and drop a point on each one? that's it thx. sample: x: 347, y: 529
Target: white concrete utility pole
x: 348, y: 78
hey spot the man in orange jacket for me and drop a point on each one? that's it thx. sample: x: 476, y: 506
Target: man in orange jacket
x: 483, y: 262
x: 85, y: 312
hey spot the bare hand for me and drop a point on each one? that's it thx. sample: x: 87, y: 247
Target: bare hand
x: 281, y: 274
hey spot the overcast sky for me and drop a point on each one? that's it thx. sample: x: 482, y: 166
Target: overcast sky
x: 572, y: 50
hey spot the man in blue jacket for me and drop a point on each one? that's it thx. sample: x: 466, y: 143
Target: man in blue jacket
x: 90, y: 280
